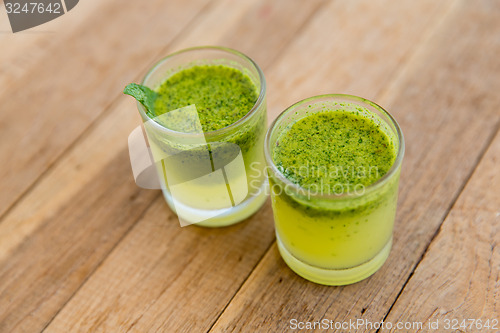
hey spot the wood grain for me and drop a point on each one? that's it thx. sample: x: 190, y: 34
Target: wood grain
x: 29, y: 48
x: 52, y: 104
x: 352, y: 47
x: 70, y: 176
x: 58, y: 216
x: 459, y: 275
x: 45, y: 270
x: 448, y: 111
x: 168, y: 290
x: 163, y: 278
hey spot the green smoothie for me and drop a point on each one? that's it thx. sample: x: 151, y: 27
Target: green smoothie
x: 326, y: 149
x: 333, y: 153
x: 222, y: 96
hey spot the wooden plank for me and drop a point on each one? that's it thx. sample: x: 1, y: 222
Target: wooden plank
x: 458, y: 276
x: 348, y: 47
x: 39, y: 277
x: 23, y: 51
x: 70, y: 176
x: 163, y: 278
x: 448, y: 108
x: 52, y: 104
x: 58, y: 233
x: 183, y: 283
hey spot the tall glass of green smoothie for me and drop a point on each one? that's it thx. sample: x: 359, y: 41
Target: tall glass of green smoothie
x: 206, y: 126
x: 333, y: 165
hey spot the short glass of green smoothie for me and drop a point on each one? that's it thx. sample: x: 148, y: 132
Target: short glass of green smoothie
x: 206, y: 131
x: 333, y: 166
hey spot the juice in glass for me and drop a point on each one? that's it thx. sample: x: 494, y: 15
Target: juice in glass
x: 334, y: 164
x: 206, y: 132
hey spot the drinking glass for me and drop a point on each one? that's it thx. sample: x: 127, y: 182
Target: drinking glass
x: 334, y: 239
x: 212, y: 178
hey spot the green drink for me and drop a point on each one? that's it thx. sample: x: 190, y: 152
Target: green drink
x: 206, y: 128
x: 334, y: 164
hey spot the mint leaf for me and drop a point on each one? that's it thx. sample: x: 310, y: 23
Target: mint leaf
x: 143, y: 95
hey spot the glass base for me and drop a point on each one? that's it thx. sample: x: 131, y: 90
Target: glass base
x: 230, y: 217
x: 334, y: 277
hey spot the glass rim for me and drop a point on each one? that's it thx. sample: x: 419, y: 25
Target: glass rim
x: 369, y: 188
x: 258, y: 103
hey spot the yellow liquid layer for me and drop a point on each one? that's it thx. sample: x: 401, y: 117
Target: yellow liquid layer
x: 228, y: 217
x: 317, y: 244
x: 216, y: 196
x: 334, y: 243
x: 337, y: 277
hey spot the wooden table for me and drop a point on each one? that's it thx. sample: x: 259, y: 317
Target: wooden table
x: 83, y: 249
